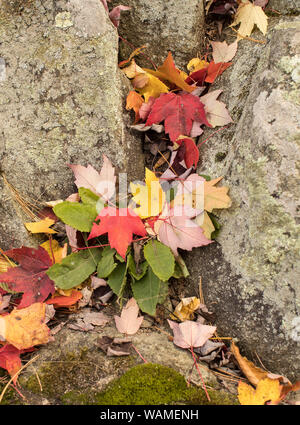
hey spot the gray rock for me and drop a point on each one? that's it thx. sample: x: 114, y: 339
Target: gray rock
x: 251, y: 275
x: 174, y: 25
x: 61, y: 102
x: 291, y: 7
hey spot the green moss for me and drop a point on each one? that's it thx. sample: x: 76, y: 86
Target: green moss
x: 155, y: 384
x: 220, y: 156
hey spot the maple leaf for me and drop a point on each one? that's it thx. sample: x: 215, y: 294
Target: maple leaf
x: 133, y: 70
x: 129, y: 322
x: 185, y: 309
x: 120, y: 224
x: 203, y: 220
x: 168, y: 71
x: 42, y: 226
x: 196, y: 64
x: 248, y: 15
x: 26, y: 327
x: 216, y: 112
x: 267, y: 390
x: 54, y: 249
x: 10, y: 359
x: 191, y: 334
x: 153, y: 88
x: 198, y: 77
x: 30, y: 277
x: 178, y: 111
x: 134, y: 101
x: 175, y: 229
x: 150, y: 198
x: 114, y: 15
x: 103, y: 183
x: 214, y: 70
x: 191, y: 154
x: 65, y: 301
x: 222, y: 52
x: 215, y: 197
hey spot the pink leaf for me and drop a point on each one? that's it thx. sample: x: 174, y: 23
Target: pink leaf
x: 191, y: 334
x: 129, y: 322
x: 115, y: 14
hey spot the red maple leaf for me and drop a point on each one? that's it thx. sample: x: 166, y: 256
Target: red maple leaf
x: 30, y: 276
x: 197, y: 77
x: 178, y: 111
x: 191, y: 155
x: 215, y: 69
x: 120, y: 224
x: 10, y: 359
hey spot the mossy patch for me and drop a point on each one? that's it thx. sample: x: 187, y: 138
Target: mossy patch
x: 151, y: 384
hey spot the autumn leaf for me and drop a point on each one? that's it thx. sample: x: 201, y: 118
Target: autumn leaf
x: 10, y: 359
x: 53, y: 248
x: 120, y: 224
x: 248, y: 15
x: 196, y: 64
x: 129, y: 322
x: 168, y: 72
x: 133, y: 70
x: 214, y: 70
x: 134, y: 101
x: 216, y: 112
x: 42, y: 226
x: 191, y: 154
x: 149, y: 197
x: 267, y: 390
x: 203, y: 220
x: 185, y: 309
x: 153, y: 88
x: 222, y: 52
x: 215, y: 197
x: 102, y: 184
x: 25, y: 328
x: 178, y: 111
x: 253, y: 373
x: 30, y: 276
x: 191, y: 334
x: 175, y: 229
x: 115, y: 14
x: 62, y: 301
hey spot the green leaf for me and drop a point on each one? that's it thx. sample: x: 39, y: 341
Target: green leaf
x: 117, y: 279
x: 88, y: 197
x: 217, y: 225
x: 182, y: 266
x: 132, y: 268
x: 121, y: 259
x: 160, y: 258
x: 75, y: 268
x: 107, y: 264
x: 207, y: 178
x: 148, y: 292
x: 79, y: 216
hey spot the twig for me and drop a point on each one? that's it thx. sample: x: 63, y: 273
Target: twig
x: 204, y: 387
x: 248, y: 38
x: 145, y: 361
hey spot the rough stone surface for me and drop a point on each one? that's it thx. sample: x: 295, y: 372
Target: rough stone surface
x: 61, y: 102
x: 93, y: 370
x: 251, y: 275
x: 291, y: 7
x: 173, y: 25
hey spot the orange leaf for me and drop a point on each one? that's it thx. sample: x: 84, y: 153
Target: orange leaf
x: 267, y: 390
x: 215, y: 69
x: 134, y: 101
x: 62, y: 301
x: 169, y: 72
x: 252, y: 372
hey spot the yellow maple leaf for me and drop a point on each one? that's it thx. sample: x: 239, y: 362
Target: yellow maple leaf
x: 267, y: 390
x: 203, y: 220
x: 42, y: 226
x: 149, y: 197
x: 185, y: 309
x: 25, y: 328
x: 54, y: 249
x: 248, y: 15
x: 196, y: 64
x: 153, y: 88
x: 215, y: 197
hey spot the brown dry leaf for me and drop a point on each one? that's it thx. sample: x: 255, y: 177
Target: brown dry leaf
x: 252, y: 372
x: 248, y: 15
x: 185, y: 309
x: 26, y: 327
x: 267, y: 390
x: 129, y: 322
x: 215, y: 197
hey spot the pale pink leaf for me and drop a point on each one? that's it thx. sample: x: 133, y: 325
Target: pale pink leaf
x: 115, y: 14
x: 216, y: 112
x: 222, y: 52
x: 191, y: 334
x: 96, y: 282
x: 129, y: 322
x: 196, y: 129
x: 145, y: 109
